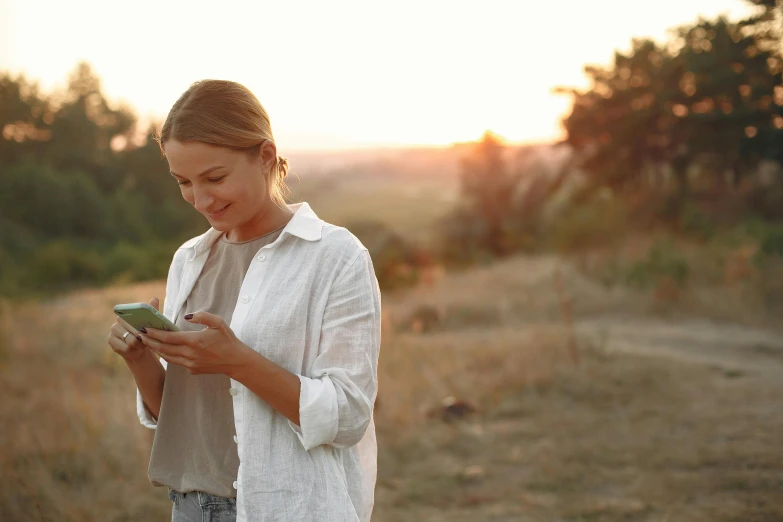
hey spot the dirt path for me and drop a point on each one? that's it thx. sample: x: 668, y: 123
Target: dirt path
x: 728, y: 346
x: 667, y: 417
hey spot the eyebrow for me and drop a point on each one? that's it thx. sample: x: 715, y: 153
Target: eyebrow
x: 210, y: 169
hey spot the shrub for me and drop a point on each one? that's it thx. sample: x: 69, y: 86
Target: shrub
x: 662, y: 262
x: 396, y: 261
x: 127, y: 262
x: 61, y: 264
x: 600, y: 222
x: 695, y: 222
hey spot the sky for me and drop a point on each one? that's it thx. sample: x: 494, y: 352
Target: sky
x: 346, y: 74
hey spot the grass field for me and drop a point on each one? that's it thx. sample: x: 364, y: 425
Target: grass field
x: 589, y: 404
x: 410, y: 209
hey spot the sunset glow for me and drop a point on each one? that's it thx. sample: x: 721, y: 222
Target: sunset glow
x: 345, y: 74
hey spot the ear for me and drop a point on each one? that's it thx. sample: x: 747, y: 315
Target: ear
x: 268, y: 155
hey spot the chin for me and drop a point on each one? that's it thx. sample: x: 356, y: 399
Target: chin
x: 220, y: 225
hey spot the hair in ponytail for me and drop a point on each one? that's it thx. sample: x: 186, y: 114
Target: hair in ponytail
x: 225, y: 114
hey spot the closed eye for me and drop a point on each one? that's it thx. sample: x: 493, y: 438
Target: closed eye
x: 211, y: 180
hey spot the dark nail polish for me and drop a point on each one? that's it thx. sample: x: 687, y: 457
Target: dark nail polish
x: 188, y: 316
x: 143, y: 330
x: 138, y: 337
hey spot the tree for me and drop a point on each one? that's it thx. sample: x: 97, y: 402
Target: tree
x: 84, y: 127
x: 709, y: 97
x: 727, y: 97
x: 24, y: 118
x: 487, y: 188
x: 623, y: 124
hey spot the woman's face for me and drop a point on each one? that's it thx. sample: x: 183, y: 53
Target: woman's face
x: 228, y: 187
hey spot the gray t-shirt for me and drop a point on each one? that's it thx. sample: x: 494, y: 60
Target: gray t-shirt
x: 194, y: 448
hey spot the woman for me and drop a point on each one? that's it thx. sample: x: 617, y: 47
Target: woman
x: 264, y: 410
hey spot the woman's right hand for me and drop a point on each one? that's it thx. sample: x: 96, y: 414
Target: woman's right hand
x: 124, y: 339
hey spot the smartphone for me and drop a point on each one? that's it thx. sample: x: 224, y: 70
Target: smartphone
x: 144, y: 315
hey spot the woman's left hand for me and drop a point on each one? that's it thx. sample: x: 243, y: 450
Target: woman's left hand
x: 215, y: 349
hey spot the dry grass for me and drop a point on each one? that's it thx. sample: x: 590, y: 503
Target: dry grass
x: 614, y: 437
x: 622, y: 438
x: 725, y: 280
x: 72, y: 447
x: 408, y: 208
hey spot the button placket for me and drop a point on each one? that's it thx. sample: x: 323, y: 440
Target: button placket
x: 250, y: 287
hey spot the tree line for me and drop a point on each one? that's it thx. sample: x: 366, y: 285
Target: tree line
x: 84, y: 196
x: 667, y: 127
x: 694, y: 116
x: 687, y: 133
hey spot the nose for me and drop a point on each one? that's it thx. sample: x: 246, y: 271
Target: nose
x: 202, y: 199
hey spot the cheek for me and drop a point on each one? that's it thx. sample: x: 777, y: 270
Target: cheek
x: 187, y: 195
x: 231, y: 194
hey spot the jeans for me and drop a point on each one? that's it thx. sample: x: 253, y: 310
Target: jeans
x: 197, y: 506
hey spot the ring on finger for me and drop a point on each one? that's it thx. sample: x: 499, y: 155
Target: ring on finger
x: 125, y: 336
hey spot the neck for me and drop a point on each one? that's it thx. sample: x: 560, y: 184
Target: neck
x: 271, y: 218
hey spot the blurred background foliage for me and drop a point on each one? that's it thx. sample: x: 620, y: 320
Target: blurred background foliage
x: 684, y: 136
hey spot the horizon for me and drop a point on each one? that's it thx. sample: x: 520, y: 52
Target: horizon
x: 360, y: 77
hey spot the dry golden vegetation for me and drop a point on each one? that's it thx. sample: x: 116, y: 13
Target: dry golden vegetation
x: 519, y: 391
x: 409, y: 208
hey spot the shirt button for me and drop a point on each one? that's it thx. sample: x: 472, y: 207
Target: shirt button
x: 262, y: 258
x: 234, y: 484
x: 245, y: 299
x: 236, y: 439
x: 233, y: 391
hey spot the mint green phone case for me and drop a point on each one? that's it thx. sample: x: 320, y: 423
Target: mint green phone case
x: 140, y: 315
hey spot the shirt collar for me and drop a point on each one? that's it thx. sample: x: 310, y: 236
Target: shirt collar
x: 304, y: 224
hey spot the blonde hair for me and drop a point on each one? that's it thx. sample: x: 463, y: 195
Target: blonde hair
x: 225, y: 114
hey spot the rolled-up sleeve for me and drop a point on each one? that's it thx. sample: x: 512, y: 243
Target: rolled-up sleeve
x: 145, y: 416
x: 336, y: 401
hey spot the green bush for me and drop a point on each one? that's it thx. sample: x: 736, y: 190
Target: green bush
x: 768, y: 236
x: 600, y: 222
x: 771, y: 242
x: 127, y: 262
x: 663, y: 260
x: 696, y: 223
x: 61, y: 264
x: 52, y: 204
x: 65, y: 264
x: 396, y: 261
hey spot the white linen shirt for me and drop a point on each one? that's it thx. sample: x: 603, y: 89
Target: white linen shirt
x: 309, y: 302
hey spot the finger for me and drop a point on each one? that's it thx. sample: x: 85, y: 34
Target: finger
x: 118, y: 345
x: 155, y: 303
x: 125, y: 327
x: 181, y: 361
x: 164, y: 348
x: 131, y: 340
x: 119, y: 331
x: 207, y: 319
x: 167, y: 337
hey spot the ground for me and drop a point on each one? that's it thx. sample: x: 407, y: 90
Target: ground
x: 591, y: 404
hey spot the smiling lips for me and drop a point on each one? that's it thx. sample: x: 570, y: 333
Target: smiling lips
x: 219, y: 213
